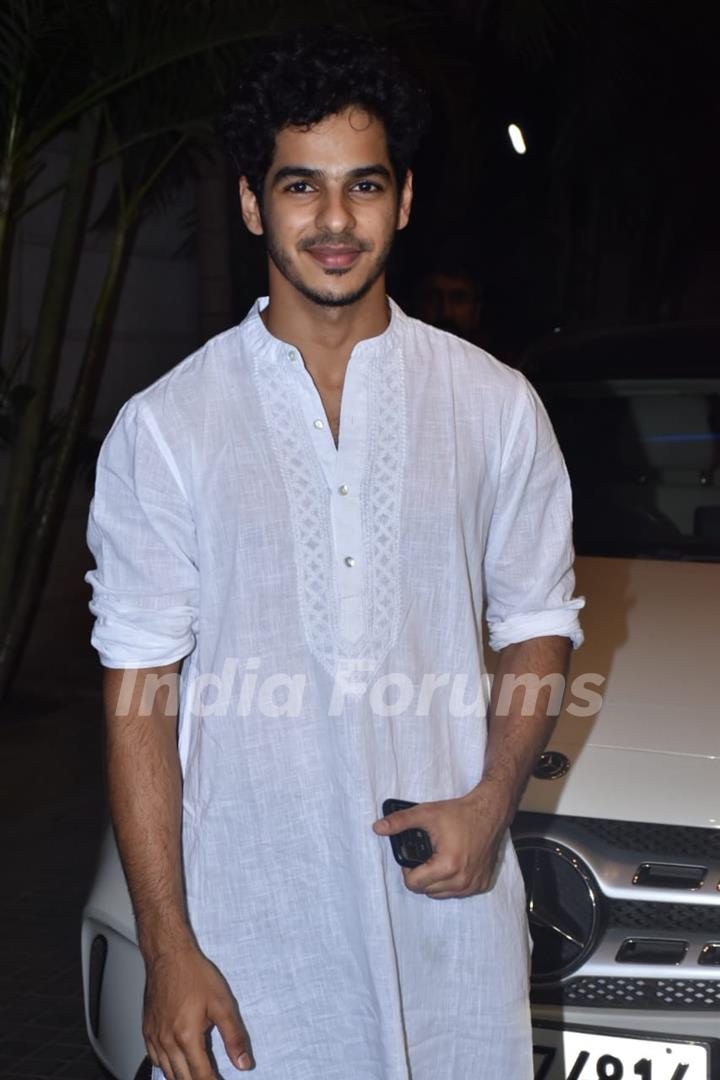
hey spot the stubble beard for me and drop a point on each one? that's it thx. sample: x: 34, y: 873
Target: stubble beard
x: 325, y: 299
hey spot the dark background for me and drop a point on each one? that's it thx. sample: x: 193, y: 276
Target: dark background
x: 609, y: 219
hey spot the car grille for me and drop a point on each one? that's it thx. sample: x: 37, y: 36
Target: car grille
x: 646, y: 915
x: 693, y: 994
x: 668, y: 841
x: 629, y: 935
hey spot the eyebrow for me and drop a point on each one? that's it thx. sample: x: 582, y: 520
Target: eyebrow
x: 303, y: 172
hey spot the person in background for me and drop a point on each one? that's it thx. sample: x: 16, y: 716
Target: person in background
x: 450, y: 296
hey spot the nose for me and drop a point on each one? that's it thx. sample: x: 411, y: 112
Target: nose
x: 335, y: 213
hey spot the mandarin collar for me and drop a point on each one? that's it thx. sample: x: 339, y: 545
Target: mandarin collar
x: 262, y: 341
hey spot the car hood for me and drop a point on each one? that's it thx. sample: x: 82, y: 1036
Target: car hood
x: 651, y: 752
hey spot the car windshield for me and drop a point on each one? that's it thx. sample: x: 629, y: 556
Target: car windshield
x: 644, y: 459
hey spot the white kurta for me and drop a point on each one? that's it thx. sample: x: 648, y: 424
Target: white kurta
x: 293, y: 577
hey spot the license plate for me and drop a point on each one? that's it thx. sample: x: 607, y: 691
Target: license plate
x: 587, y: 1055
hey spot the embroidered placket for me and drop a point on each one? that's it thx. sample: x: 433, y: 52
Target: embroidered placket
x: 345, y: 501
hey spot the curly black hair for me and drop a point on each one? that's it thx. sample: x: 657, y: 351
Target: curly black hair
x: 300, y: 78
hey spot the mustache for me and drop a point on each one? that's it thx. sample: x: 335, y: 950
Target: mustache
x: 335, y: 240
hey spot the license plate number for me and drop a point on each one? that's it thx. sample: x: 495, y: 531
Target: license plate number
x: 585, y: 1055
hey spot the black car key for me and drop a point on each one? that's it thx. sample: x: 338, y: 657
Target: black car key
x: 411, y: 847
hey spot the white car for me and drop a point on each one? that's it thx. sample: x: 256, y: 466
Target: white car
x: 618, y: 835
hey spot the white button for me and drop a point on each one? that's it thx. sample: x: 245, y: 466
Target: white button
x: 318, y: 424
x: 343, y: 489
x: 349, y: 561
x: 292, y: 355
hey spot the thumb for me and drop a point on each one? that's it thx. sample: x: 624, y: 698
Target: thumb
x: 233, y: 1034
x: 397, y: 822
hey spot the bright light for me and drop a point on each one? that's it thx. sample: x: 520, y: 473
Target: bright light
x: 516, y: 138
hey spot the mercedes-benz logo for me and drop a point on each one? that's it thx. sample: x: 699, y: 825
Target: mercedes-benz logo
x: 563, y: 907
x: 551, y: 765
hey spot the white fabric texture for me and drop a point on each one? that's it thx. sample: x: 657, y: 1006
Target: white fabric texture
x: 308, y: 586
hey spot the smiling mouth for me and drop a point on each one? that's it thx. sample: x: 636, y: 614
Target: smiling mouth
x: 335, y: 257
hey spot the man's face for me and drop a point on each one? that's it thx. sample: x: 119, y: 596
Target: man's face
x: 330, y: 207
x: 450, y: 302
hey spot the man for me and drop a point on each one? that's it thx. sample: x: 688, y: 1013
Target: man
x: 449, y: 296
x: 309, y: 514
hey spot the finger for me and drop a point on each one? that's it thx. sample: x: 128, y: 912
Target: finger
x: 199, y: 1064
x: 178, y: 1062
x: 233, y: 1034
x: 442, y: 878
x: 400, y: 820
x: 164, y: 1062
x: 457, y: 885
x: 432, y: 872
x: 189, y: 1058
x: 443, y: 890
x: 152, y: 1052
x: 410, y: 881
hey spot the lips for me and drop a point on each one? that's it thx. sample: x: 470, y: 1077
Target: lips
x: 334, y: 257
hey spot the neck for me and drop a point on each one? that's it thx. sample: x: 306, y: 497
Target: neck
x: 324, y: 335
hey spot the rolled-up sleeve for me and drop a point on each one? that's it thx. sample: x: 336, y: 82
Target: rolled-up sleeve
x: 528, y: 566
x: 142, y: 535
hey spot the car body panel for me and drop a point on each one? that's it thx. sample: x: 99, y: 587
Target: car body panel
x: 651, y: 634
x: 118, y: 1042
x: 109, y: 901
x: 681, y: 1026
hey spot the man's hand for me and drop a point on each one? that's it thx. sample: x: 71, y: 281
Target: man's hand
x: 466, y: 834
x: 185, y: 995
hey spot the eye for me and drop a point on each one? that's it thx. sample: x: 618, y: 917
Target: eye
x: 299, y: 187
x: 367, y: 187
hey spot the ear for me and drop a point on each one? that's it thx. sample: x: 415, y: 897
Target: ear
x: 405, y: 202
x: 250, y: 208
